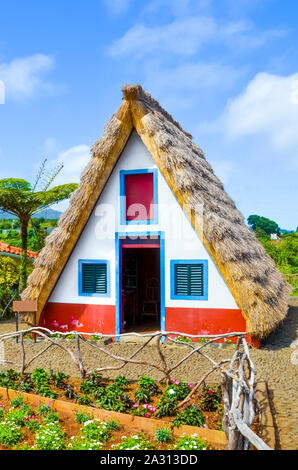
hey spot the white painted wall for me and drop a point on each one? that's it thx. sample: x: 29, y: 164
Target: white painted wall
x: 98, y: 239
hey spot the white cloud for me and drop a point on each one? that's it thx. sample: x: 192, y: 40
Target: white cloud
x: 268, y: 110
x: 186, y: 36
x: 23, y: 77
x: 183, y: 37
x: 74, y: 161
x: 267, y: 106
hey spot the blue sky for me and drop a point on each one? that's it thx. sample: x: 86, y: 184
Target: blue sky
x: 226, y: 70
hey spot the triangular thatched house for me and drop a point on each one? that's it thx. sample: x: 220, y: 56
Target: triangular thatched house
x: 152, y: 241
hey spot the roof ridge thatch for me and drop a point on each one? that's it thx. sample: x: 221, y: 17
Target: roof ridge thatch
x: 258, y: 287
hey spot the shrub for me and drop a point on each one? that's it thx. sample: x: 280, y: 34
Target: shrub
x: 210, y: 398
x: 10, y: 433
x: 58, y: 379
x: 18, y: 415
x: 44, y: 409
x: 17, y: 402
x: 25, y: 387
x: 120, y: 381
x: 96, y: 430
x: 136, y: 442
x: 166, y: 406
x: 163, y: 435
x: 84, y: 400
x: 82, y: 418
x: 191, y: 443
x: 32, y: 424
x: 114, y: 398
x: 191, y: 416
x: 40, y: 379
x: 112, y: 425
x: 51, y: 417
x: 50, y: 437
x: 2, y: 413
x: 143, y: 410
x: 147, y: 388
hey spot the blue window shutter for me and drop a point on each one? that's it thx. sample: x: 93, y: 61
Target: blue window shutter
x: 189, y: 280
x: 94, y: 278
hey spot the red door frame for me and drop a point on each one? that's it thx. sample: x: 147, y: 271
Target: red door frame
x: 136, y: 245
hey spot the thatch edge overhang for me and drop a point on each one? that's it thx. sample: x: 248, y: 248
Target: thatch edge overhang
x: 258, y: 287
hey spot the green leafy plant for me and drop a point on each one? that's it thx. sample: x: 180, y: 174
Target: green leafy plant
x: 10, y: 433
x: 146, y: 410
x: 32, y: 424
x: 166, y: 406
x: 50, y: 437
x: 121, y: 381
x: 191, y: 443
x: 191, y: 416
x: 44, y: 409
x: 84, y: 400
x: 17, y: 402
x: 210, y: 398
x: 220, y: 413
x: 95, y: 338
x: 112, y: 425
x: 183, y: 339
x: 40, y: 378
x: 82, y: 418
x: 163, y: 435
x: 51, y: 417
x: 147, y: 388
x: 136, y: 442
x: 114, y: 398
x: 58, y: 379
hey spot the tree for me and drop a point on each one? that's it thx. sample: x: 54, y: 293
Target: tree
x: 18, y: 197
x: 262, y: 223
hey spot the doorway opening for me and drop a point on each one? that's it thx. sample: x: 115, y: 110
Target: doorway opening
x: 140, y: 288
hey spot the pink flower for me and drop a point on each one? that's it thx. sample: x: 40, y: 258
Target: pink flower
x: 190, y: 385
x: 152, y: 409
x: 135, y: 405
x: 210, y: 390
x: 147, y: 415
x: 177, y: 382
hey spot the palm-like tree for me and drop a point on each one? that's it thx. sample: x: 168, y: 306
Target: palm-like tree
x: 18, y: 197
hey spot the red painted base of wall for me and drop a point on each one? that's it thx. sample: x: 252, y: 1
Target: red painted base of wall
x: 206, y: 321
x: 79, y: 317
x: 102, y: 319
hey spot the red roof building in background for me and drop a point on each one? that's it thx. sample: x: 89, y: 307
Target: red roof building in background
x: 14, y: 250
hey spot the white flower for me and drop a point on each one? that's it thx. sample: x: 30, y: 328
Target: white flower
x: 171, y: 391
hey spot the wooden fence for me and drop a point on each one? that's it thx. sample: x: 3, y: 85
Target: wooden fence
x: 238, y: 373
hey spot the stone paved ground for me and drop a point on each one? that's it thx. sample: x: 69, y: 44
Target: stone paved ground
x: 276, y: 363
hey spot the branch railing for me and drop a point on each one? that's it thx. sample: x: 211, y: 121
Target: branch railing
x: 238, y: 379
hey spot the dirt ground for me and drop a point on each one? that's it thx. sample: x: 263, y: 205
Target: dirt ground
x: 275, y: 362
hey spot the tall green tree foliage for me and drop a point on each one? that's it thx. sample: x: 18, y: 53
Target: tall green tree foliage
x: 18, y: 197
x: 257, y: 222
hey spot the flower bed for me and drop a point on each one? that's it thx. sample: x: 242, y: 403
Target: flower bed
x: 39, y: 427
x: 147, y: 398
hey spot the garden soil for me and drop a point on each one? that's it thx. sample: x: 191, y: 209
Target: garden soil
x: 276, y: 362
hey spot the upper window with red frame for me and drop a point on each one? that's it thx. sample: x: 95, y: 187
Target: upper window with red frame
x: 139, y: 198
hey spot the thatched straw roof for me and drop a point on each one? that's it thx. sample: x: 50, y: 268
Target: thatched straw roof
x: 258, y: 287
